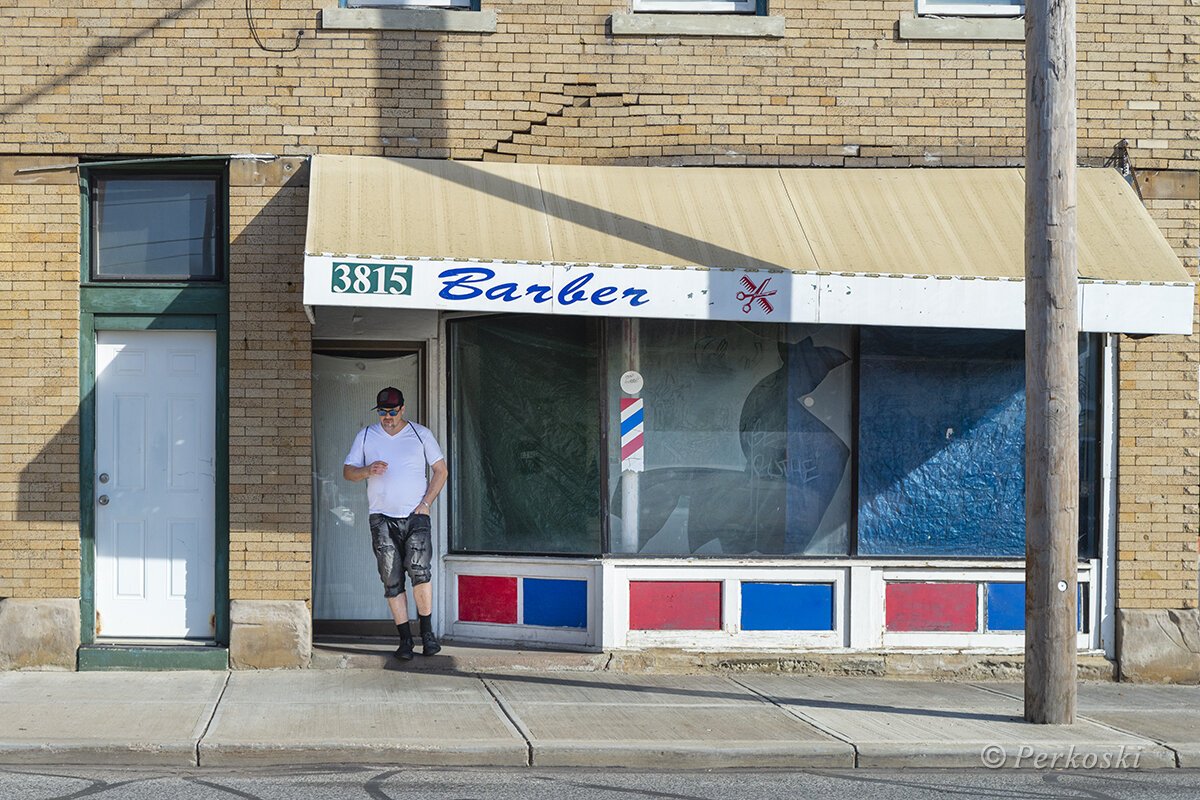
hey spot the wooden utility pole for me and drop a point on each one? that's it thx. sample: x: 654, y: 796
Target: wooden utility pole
x: 1051, y: 363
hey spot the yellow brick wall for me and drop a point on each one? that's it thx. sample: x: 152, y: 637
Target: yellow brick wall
x: 1159, y: 463
x: 39, y: 390
x: 270, y: 427
x: 98, y: 76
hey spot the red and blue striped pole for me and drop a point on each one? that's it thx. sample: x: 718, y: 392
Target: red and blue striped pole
x: 632, y: 430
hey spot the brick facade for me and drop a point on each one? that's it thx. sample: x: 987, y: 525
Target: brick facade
x: 103, y: 79
x: 270, y: 429
x: 1159, y: 467
x: 39, y: 389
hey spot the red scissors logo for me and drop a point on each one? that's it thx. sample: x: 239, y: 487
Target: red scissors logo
x: 756, y: 294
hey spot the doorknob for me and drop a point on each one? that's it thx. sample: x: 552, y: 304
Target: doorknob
x: 103, y: 500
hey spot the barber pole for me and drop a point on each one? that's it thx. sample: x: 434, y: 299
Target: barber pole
x: 632, y: 428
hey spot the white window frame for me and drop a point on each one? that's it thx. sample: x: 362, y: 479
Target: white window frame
x: 697, y: 6
x: 394, y: 3
x: 937, y: 8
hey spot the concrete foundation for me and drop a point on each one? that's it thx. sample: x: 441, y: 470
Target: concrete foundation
x: 1159, y: 646
x: 269, y: 634
x: 39, y: 634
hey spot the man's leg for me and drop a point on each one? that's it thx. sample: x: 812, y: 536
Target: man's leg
x: 399, y: 607
x: 418, y: 553
x: 385, y: 540
x: 423, y: 595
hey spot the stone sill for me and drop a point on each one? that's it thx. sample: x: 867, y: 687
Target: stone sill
x: 713, y: 25
x: 1001, y: 29
x: 407, y: 19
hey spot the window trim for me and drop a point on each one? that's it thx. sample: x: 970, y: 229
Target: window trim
x: 700, y: 6
x: 440, y: 19
x: 469, y: 5
x: 933, y: 8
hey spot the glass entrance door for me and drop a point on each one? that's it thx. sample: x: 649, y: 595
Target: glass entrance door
x: 346, y: 588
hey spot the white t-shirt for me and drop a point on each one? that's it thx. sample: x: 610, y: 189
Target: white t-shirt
x: 401, y: 488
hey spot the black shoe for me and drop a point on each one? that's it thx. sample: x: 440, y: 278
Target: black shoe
x: 429, y: 645
x: 405, y: 651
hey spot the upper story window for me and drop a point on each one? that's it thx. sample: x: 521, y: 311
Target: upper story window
x: 697, y: 6
x: 971, y: 8
x: 157, y: 227
x: 428, y: 3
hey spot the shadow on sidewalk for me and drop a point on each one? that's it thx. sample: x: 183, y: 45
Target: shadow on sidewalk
x: 635, y: 688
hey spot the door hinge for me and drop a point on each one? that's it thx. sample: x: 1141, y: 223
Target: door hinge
x: 97, y: 623
x: 212, y: 622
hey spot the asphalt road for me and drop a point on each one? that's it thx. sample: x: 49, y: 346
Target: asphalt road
x: 373, y: 783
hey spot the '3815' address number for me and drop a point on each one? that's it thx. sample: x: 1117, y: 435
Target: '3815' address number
x: 357, y: 277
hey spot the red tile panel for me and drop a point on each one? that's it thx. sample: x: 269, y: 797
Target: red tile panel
x: 675, y: 605
x: 931, y: 607
x: 486, y: 598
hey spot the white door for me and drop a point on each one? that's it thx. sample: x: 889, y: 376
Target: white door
x: 155, y: 486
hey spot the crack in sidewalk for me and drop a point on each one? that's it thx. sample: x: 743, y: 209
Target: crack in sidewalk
x: 512, y: 717
x: 800, y: 715
x: 215, y: 706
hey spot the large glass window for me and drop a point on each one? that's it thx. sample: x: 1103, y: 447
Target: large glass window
x: 525, y: 433
x: 157, y: 227
x: 747, y: 438
x: 756, y: 439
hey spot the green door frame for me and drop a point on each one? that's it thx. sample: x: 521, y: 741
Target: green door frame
x: 139, y: 306
x: 92, y: 321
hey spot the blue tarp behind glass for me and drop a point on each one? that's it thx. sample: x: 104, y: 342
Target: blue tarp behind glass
x: 942, y: 443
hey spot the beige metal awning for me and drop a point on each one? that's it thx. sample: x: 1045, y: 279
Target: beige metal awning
x: 886, y: 235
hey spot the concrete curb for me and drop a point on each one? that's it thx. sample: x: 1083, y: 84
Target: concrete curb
x: 464, y: 753
x: 693, y: 755
x: 95, y: 754
x: 1014, y: 755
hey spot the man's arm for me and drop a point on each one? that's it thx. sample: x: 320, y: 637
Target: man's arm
x: 436, y: 483
x: 357, y: 474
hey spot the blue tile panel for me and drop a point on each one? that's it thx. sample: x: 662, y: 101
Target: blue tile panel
x: 787, y: 606
x: 555, y: 603
x: 1006, y: 606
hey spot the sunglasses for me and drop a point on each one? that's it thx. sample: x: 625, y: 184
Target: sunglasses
x: 387, y: 412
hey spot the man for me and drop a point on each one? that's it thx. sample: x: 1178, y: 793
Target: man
x: 391, y: 456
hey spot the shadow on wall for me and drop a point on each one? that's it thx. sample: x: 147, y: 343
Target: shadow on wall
x: 270, y: 378
x: 98, y: 53
x: 48, y: 490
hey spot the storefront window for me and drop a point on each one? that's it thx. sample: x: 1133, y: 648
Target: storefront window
x: 525, y: 434
x: 941, y: 459
x: 747, y: 439
x: 747, y: 432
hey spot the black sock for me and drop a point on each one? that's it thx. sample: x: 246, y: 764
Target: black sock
x: 405, y: 633
x: 426, y: 621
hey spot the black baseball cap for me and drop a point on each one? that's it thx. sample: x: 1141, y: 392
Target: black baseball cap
x: 391, y: 397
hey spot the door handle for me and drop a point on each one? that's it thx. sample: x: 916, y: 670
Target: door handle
x: 103, y: 500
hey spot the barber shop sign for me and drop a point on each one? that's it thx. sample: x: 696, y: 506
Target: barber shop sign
x: 539, y: 288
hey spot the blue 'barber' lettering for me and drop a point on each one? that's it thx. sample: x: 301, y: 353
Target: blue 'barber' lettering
x: 468, y: 283
x: 459, y: 288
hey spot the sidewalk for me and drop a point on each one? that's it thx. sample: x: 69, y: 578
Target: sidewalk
x: 589, y: 719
